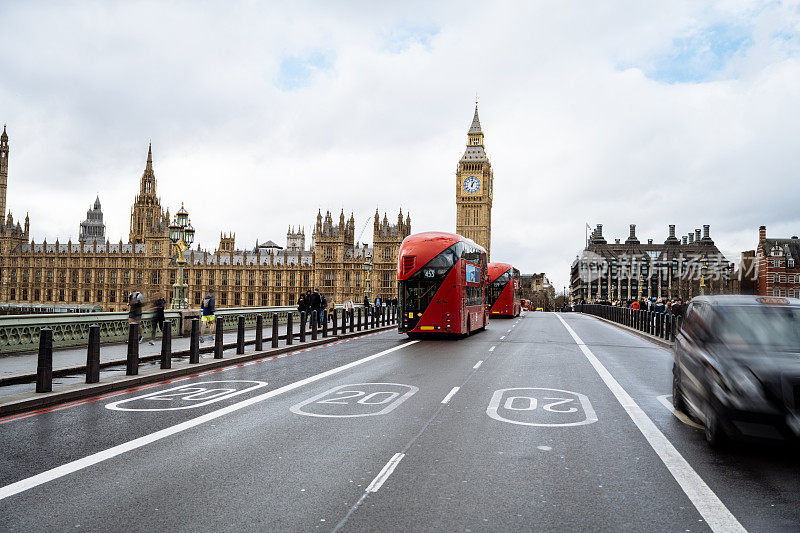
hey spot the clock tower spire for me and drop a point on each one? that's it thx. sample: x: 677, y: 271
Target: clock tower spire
x: 474, y: 188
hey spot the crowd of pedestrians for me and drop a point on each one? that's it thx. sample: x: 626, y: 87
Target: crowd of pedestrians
x: 674, y: 306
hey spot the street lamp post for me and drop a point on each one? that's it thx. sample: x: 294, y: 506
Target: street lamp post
x: 368, y: 277
x: 181, y: 233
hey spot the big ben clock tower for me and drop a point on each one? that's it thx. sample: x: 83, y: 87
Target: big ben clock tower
x: 474, y: 189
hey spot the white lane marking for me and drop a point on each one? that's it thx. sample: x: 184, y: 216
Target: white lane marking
x: 450, y: 394
x: 95, y: 458
x: 385, y: 472
x: 358, y: 390
x: 590, y: 417
x: 478, y: 364
x: 503, y: 337
x: 680, y: 416
x: 707, y: 503
x: 509, y: 331
x: 196, y: 392
x: 492, y: 348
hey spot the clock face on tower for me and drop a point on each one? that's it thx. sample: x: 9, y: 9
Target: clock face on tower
x: 472, y: 184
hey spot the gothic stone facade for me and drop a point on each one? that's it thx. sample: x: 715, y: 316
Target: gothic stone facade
x: 475, y: 189
x: 102, y: 273
x: 633, y: 270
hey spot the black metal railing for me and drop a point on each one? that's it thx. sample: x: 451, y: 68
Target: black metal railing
x: 662, y: 325
x: 375, y: 317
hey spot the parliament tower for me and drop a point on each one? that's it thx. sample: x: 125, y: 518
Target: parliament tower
x: 474, y: 189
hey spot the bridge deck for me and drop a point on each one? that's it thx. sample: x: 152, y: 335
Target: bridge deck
x: 515, y: 428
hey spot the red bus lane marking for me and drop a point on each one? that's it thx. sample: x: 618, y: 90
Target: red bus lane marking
x: 105, y: 396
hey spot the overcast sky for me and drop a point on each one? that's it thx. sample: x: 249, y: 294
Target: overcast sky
x: 260, y: 114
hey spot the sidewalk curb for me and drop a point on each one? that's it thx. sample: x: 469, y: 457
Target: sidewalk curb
x: 654, y: 340
x: 33, y: 400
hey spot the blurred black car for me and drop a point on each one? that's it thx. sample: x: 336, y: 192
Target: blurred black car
x: 737, y: 367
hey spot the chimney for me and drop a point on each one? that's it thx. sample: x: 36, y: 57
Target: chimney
x: 599, y: 230
x: 632, y: 237
x: 697, y: 234
x: 762, y: 233
x: 672, y: 231
x: 691, y: 238
x: 649, y: 241
x: 706, y: 229
x: 616, y: 241
x: 683, y: 239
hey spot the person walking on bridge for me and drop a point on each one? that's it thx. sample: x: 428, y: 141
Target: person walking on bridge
x: 135, y: 304
x: 158, y: 318
x: 207, y: 307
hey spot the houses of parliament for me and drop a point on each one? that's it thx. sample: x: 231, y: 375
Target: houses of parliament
x: 95, y: 273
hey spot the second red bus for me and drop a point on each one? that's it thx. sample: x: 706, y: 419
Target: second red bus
x: 503, y: 291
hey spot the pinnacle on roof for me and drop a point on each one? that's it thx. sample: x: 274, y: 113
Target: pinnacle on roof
x: 97, y: 202
x: 4, y: 136
x: 476, y: 123
x: 149, y: 166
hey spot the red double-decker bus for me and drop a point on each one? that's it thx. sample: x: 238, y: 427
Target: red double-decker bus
x: 441, y: 284
x: 502, y: 294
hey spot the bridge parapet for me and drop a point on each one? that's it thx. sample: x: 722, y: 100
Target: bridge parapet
x: 20, y: 333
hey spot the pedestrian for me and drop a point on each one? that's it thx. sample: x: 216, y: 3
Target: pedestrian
x: 366, y: 303
x: 301, y: 303
x: 315, y: 302
x: 207, y: 307
x: 158, y: 318
x: 348, y: 307
x: 659, y: 307
x: 323, y: 306
x: 635, y: 305
x: 135, y: 304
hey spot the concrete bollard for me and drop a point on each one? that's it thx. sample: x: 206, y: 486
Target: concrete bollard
x: 194, y: 342
x: 333, y: 329
x: 259, y: 333
x: 343, y: 329
x: 359, y: 319
x: 325, y: 318
x: 240, y: 336
x: 314, y: 325
x: 93, y: 355
x: 274, y: 330
x: 44, y: 366
x: 351, y: 318
x: 132, y: 361
x: 302, y: 326
x: 166, y: 344
x: 289, y: 328
x: 219, y: 337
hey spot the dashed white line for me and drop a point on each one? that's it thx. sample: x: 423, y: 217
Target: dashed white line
x: 385, y: 472
x: 509, y: 331
x: 492, y: 348
x: 707, y: 503
x: 450, y: 394
x: 478, y: 364
x: 95, y: 458
x: 503, y: 337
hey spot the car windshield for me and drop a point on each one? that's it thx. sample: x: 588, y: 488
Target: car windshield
x: 760, y: 326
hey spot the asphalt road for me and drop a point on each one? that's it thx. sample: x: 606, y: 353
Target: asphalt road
x: 555, y: 425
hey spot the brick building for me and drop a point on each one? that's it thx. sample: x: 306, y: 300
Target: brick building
x: 778, y: 263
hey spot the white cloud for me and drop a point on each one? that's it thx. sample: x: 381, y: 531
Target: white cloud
x: 260, y: 115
